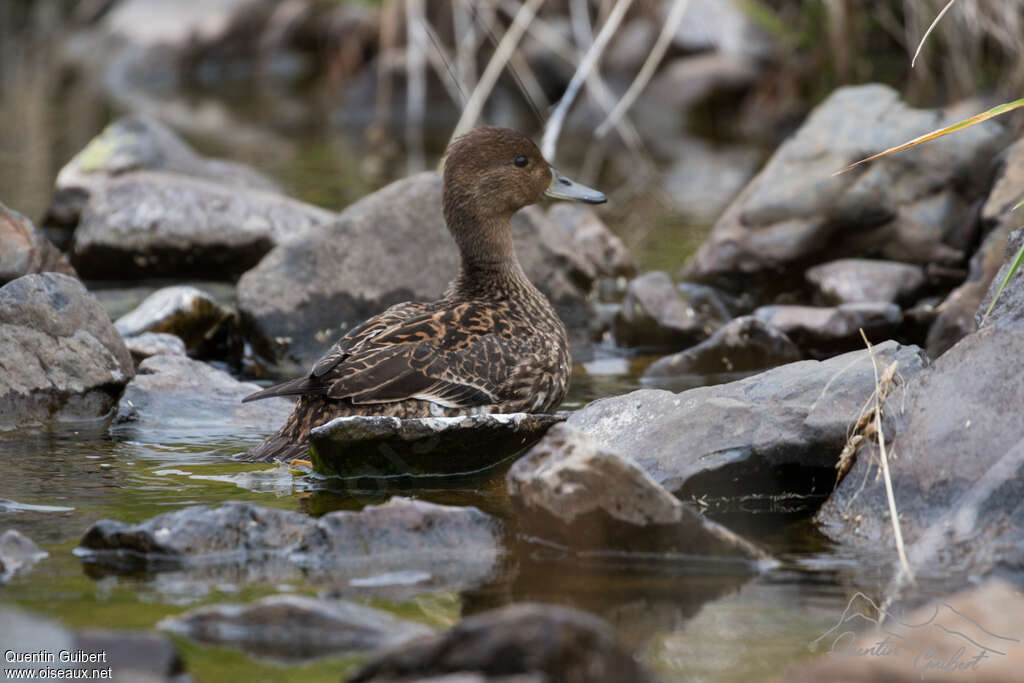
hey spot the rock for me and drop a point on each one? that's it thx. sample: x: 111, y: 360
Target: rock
x: 959, y: 474
x: 207, y: 329
x: 720, y: 25
x: 120, y: 656
x: 431, y: 546
x: 380, y: 446
x: 64, y: 360
x: 779, y: 430
x: 913, y: 206
x: 605, y: 251
x: 18, y: 552
x: 744, y: 344
x: 823, y: 330
x: 295, y: 627
x: 655, y: 314
x: 154, y: 344
x: 24, y: 250
x: 704, y: 178
x: 136, y: 143
x: 175, y: 395
x: 557, y: 643
x: 390, y: 246
x: 156, y: 224
x: 1009, y: 309
x: 973, y: 635
x: 851, y: 281
x: 569, y: 490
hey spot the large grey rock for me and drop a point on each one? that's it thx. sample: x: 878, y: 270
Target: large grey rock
x: 390, y: 246
x: 744, y: 344
x: 24, y: 250
x: 825, y: 330
x: 406, y: 543
x: 295, y: 627
x: 129, y: 657
x: 159, y: 224
x: 62, y: 358
x: 136, y: 143
x: 1009, y: 309
x: 207, y: 329
x: 380, y: 446
x: 913, y: 206
x: 569, y: 490
x: 850, y: 281
x: 959, y: 471
x: 175, y: 396
x: 655, y: 314
x: 750, y: 436
x: 18, y: 552
x: 556, y: 643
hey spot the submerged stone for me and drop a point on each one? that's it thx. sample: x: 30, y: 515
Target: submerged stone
x: 379, y: 446
x: 18, y: 552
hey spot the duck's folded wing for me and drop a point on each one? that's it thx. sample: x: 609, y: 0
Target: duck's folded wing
x: 366, y: 332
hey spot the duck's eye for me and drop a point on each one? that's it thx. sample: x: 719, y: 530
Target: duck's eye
x: 521, y: 161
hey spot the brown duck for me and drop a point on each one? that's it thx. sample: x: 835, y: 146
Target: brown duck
x: 493, y: 343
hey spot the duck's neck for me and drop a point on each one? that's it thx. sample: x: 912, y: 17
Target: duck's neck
x: 490, y: 267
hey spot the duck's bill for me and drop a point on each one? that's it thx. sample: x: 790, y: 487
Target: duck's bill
x: 563, y: 188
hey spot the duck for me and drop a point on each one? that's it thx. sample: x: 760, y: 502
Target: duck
x: 492, y: 344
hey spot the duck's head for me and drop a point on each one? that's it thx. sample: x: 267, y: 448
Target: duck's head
x: 493, y: 172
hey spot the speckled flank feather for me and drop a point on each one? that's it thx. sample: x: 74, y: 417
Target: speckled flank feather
x: 492, y: 344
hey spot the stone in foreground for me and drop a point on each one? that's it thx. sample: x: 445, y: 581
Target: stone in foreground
x: 295, y: 627
x: 528, y: 639
x: 569, y: 490
x: 379, y: 446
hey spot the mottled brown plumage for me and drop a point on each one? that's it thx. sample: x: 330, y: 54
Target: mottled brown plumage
x: 493, y: 343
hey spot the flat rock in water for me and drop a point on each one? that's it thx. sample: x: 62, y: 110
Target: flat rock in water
x: 913, y: 207
x: 155, y: 224
x: 295, y: 627
x: 849, y: 281
x: 177, y: 397
x: 379, y: 446
x: 655, y: 314
x: 24, y: 250
x: 527, y: 639
x: 390, y: 246
x: 829, y: 330
x: 136, y: 143
x: 402, y: 545
x: 569, y: 490
x: 63, y: 359
x: 18, y: 552
x: 778, y: 431
x: 154, y: 344
x: 207, y: 328
x: 744, y: 344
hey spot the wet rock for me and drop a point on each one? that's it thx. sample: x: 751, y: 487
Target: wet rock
x: 849, y: 281
x: 824, y: 330
x: 704, y: 178
x: 158, y: 224
x: 207, y: 329
x: 379, y: 446
x: 569, y: 490
x: 442, y: 546
x: 295, y: 627
x: 741, y: 345
x: 959, y: 474
x: 136, y: 143
x: 18, y: 552
x: 24, y: 250
x: 128, y: 657
x: 605, y: 251
x: 176, y: 395
x: 973, y: 635
x: 554, y: 643
x: 154, y: 344
x: 779, y: 430
x: 655, y: 314
x: 63, y: 359
x: 390, y: 246
x: 1009, y: 309
x: 912, y: 207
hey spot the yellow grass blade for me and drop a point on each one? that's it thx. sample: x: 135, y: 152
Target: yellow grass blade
x: 959, y: 125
